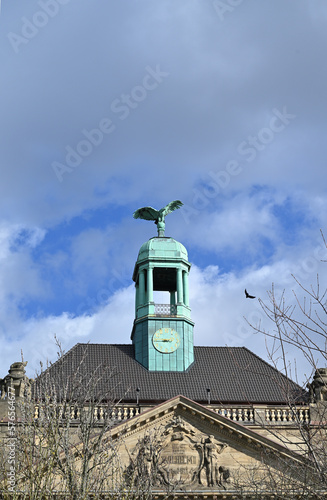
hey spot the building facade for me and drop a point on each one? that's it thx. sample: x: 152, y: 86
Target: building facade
x: 191, y: 421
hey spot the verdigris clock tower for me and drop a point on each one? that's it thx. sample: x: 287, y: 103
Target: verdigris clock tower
x: 162, y: 333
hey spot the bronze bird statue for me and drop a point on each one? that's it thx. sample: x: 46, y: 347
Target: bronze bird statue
x: 158, y: 216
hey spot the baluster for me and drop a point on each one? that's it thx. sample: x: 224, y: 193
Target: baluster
x: 228, y: 413
x: 285, y: 415
x: 119, y: 415
x: 268, y: 415
x: 101, y: 413
x: 125, y: 416
x: 278, y: 415
x: 234, y: 414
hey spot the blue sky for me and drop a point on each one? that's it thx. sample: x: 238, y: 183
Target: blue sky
x: 109, y: 106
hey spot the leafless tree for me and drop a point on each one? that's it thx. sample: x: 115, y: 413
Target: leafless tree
x: 302, y: 324
x: 63, y: 438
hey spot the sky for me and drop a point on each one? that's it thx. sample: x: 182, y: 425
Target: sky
x: 110, y: 106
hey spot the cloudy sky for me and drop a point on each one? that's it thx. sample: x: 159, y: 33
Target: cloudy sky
x: 108, y: 106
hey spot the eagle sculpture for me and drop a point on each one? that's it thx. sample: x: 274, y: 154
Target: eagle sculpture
x: 158, y: 216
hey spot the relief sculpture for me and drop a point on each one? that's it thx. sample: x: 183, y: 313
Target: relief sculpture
x: 16, y: 381
x: 181, y: 457
x: 318, y: 387
x: 214, y: 471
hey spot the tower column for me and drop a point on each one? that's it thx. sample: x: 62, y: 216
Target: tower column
x: 179, y: 286
x: 150, y: 283
x: 141, y: 287
x: 185, y: 288
x: 172, y: 298
x: 137, y: 297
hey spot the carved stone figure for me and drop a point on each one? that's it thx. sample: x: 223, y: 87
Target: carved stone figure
x: 158, y: 216
x: 179, y: 457
x: 16, y: 380
x: 211, y: 452
x: 318, y: 386
x: 179, y: 428
x: 224, y: 475
x: 143, y: 462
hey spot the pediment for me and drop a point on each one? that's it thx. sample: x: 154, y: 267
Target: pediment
x: 198, y: 448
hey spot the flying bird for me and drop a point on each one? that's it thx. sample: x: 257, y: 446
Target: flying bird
x: 248, y: 296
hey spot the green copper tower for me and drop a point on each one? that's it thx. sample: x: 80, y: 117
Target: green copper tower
x: 162, y: 333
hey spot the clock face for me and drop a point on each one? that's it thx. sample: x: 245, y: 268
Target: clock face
x: 166, y: 340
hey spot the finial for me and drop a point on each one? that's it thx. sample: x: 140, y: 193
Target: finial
x: 158, y: 216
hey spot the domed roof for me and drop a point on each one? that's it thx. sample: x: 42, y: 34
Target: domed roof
x: 158, y: 248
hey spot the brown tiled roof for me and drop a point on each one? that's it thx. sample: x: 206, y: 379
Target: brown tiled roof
x: 233, y: 375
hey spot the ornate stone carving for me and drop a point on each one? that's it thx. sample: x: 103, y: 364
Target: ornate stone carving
x: 180, y: 457
x: 178, y: 428
x: 318, y: 386
x: 16, y: 379
x: 214, y: 471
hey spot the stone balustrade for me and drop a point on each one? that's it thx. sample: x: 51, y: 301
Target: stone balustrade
x: 283, y: 415
x: 236, y: 414
x: 116, y: 413
x: 276, y: 415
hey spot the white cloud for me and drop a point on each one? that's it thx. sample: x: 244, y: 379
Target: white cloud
x: 111, y: 323
x: 225, y: 79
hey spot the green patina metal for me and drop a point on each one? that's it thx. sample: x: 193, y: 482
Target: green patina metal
x: 162, y: 265
x: 158, y: 216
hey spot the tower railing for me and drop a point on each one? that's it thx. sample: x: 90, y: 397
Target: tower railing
x: 165, y: 309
